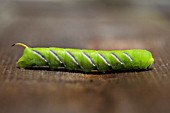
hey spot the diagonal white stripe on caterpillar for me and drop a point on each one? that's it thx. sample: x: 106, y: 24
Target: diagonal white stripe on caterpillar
x: 41, y: 56
x: 113, y: 55
x: 103, y: 58
x: 56, y: 56
x: 88, y: 58
x: 72, y: 57
x: 128, y: 56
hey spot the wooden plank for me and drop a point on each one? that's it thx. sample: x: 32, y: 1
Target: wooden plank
x: 42, y: 91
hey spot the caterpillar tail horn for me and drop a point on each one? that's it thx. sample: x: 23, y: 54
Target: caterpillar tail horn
x: 20, y: 44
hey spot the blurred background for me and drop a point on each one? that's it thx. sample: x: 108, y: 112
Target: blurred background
x: 90, y: 24
x: 95, y: 24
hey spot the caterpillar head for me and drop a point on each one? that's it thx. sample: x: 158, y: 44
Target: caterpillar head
x: 150, y: 63
x: 149, y: 60
x: 143, y: 59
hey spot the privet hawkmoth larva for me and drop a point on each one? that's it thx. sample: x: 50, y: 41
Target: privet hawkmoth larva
x: 85, y: 60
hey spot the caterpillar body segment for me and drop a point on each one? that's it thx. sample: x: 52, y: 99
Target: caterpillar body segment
x: 85, y: 60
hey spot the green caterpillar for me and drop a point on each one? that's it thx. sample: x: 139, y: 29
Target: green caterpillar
x: 85, y: 60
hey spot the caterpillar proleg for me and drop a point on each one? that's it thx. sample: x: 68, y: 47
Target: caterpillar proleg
x: 85, y: 60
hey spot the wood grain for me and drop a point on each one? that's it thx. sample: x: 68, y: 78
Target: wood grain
x: 83, y: 26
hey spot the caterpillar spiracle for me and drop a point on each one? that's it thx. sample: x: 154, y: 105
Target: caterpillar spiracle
x: 85, y: 60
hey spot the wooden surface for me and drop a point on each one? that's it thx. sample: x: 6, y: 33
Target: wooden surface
x: 93, y: 26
